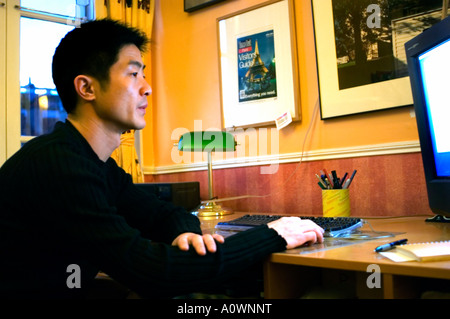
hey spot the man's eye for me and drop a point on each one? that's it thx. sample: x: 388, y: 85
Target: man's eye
x: 134, y: 74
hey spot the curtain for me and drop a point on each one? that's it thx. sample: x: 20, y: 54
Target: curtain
x: 138, y: 14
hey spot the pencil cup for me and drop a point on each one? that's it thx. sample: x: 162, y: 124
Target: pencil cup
x: 336, y: 203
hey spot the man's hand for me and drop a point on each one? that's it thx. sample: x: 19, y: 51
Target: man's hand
x: 297, y: 231
x: 201, y: 243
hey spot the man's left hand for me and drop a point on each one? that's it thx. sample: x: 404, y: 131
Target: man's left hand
x: 201, y: 243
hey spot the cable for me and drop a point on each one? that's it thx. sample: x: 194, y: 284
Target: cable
x: 316, y: 107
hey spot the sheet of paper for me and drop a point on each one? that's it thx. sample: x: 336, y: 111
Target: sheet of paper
x: 392, y: 255
x: 283, y: 120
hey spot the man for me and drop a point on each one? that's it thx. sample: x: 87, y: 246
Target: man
x: 66, y: 205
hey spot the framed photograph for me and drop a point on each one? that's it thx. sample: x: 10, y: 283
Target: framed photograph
x: 193, y: 5
x: 258, y: 65
x: 360, y: 52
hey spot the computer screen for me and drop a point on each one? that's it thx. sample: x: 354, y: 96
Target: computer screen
x: 428, y: 56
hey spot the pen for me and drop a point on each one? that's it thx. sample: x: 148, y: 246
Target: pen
x: 321, y: 182
x: 321, y: 185
x: 328, y: 183
x: 348, y: 181
x: 389, y: 246
x: 328, y: 176
x: 343, y: 180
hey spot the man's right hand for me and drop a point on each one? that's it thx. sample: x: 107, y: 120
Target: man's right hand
x: 297, y: 231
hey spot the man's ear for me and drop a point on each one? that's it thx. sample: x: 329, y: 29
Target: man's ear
x: 84, y: 85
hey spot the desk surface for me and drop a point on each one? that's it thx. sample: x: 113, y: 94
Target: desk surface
x: 360, y: 254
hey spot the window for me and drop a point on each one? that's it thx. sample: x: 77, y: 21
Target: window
x: 40, y: 104
x: 31, y: 30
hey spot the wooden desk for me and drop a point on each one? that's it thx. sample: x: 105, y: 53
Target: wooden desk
x: 292, y: 274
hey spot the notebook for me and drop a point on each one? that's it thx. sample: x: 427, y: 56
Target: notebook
x: 434, y: 251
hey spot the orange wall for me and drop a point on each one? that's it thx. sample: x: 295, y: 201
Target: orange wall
x: 185, y: 83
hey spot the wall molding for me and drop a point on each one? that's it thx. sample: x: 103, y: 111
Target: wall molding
x: 325, y: 154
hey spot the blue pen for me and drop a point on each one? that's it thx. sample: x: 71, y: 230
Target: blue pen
x: 389, y: 246
x: 350, y: 179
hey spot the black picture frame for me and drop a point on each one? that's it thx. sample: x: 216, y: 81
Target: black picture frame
x: 194, y: 5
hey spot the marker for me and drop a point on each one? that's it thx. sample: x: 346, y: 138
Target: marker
x: 336, y: 183
x: 389, y: 246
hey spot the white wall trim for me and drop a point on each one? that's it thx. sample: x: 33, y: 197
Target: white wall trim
x: 325, y: 154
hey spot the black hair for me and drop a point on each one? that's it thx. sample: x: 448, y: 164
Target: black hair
x: 91, y: 49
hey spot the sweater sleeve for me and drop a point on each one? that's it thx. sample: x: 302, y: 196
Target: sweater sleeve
x: 154, y: 218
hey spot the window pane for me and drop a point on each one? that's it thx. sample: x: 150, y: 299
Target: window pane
x: 63, y: 7
x: 41, y: 107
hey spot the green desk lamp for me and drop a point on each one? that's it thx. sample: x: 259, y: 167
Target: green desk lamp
x: 208, y: 141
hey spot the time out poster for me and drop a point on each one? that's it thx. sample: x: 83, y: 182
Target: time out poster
x: 256, y: 66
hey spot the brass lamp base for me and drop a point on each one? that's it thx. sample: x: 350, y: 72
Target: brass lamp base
x: 212, y: 209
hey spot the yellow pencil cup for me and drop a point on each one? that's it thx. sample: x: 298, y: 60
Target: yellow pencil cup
x: 336, y: 202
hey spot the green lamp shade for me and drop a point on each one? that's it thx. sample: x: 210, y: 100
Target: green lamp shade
x: 207, y: 141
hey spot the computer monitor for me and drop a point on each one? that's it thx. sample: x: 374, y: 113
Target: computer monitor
x: 428, y: 58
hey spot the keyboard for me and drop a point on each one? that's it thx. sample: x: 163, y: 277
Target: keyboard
x: 333, y: 226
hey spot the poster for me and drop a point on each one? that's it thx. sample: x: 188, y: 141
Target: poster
x: 256, y: 66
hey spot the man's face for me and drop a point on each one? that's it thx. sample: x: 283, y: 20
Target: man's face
x: 121, y: 105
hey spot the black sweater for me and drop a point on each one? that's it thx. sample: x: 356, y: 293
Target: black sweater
x: 61, y: 205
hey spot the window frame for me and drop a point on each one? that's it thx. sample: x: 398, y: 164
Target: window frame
x: 2, y: 82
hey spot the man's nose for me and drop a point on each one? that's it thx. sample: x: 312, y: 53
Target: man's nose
x: 146, y: 89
